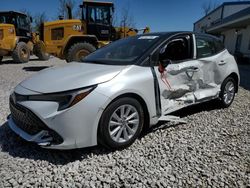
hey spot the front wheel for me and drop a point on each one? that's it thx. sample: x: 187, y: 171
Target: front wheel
x: 78, y: 51
x: 121, y: 123
x: 228, y: 89
x: 40, y: 51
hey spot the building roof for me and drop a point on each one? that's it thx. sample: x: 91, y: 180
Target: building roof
x: 239, y: 19
x: 224, y: 4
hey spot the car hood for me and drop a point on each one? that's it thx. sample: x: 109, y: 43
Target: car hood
x: 71, y: 76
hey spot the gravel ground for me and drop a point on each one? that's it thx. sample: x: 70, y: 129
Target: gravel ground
x: 211, y: 150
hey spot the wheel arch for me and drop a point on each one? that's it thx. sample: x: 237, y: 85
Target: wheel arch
x: 76, y: 39
x: 142, y: 103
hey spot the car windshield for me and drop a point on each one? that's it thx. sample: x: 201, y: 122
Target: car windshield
x: 124, y: 51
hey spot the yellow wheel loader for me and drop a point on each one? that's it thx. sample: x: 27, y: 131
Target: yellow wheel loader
x: 73, y: 39
x: 16, y: 38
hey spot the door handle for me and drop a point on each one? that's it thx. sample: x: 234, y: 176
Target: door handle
x: 193, y: 69
x: 222, y: 62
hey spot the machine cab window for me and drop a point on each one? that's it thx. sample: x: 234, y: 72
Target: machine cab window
x: 23, y: 22
x: 100, y: 14
x: 98, y: 18
x: 4, y: 18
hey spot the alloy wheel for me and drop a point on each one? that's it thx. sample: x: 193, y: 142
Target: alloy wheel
x: 123, y: 123
x: 229, y: 92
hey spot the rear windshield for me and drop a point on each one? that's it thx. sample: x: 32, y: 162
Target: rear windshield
x: 124, y: 51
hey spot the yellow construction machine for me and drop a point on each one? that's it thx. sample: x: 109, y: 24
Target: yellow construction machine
x: 16, y: 38
x: 73, y: 39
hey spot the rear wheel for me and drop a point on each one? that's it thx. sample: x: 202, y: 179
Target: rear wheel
x: 78, y: 51
x: 21, y: 54
x: 121, y: 123
x: 228, y: 89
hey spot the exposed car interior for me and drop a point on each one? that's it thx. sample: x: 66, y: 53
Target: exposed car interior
x: 177, y: 49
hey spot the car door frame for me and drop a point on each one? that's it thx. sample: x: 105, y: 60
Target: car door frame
x: 153, y: 62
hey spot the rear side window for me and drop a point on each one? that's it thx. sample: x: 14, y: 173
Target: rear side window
x: 205, y: 47
x: 57, y: 33
x: 219, y: 46
x: 208, y: 46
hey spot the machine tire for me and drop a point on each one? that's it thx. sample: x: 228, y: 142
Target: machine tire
x: 39, y: 51
x: 1, y: 58
x: 104, y: 129
x: 79, y: 50
x: 21, y: 53
x: 228, y: 82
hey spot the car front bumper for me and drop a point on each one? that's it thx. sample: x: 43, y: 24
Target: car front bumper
x: 72, y: 128
x: 42, y: 138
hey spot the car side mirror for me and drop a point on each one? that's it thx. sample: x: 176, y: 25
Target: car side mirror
x: 163, y: 64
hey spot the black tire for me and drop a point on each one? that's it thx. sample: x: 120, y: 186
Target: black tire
x: 39, y: 51
x: 78, y: 51
x: 21, y: 54
x: 104, y: 137
x: 223, y: 102
x: 1, y: 58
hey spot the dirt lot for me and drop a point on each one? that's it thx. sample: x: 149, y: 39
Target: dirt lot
x: 211, y: 150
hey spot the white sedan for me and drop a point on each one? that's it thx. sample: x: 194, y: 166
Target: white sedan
x: 122, y: 88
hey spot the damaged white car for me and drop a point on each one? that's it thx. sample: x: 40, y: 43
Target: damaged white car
x: 121, y: 89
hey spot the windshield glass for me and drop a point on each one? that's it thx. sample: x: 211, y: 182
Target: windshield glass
x: 100, y: 14
x: 4, y: 18
x: 124, y: 51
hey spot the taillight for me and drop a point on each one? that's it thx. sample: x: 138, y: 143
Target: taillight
x: 1, y: 34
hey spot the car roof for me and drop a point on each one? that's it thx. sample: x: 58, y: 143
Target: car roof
x: 172, y: 33
x: 166, y: 33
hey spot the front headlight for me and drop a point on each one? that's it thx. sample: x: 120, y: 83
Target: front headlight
x: 65, y: 99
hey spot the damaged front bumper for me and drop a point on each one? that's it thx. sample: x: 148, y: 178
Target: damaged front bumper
x: 42, y: 138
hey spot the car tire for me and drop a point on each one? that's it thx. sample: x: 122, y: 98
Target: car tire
x: 228, y: 90
x: 78, y: 51
x: 21, y: 54
x: 121, y: 123
x: 1, y: 58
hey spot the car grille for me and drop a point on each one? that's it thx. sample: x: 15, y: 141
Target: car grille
x: 29, y: 122
x: 1, y: 34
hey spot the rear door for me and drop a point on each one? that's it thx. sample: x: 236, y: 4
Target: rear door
x: 211, y: 56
